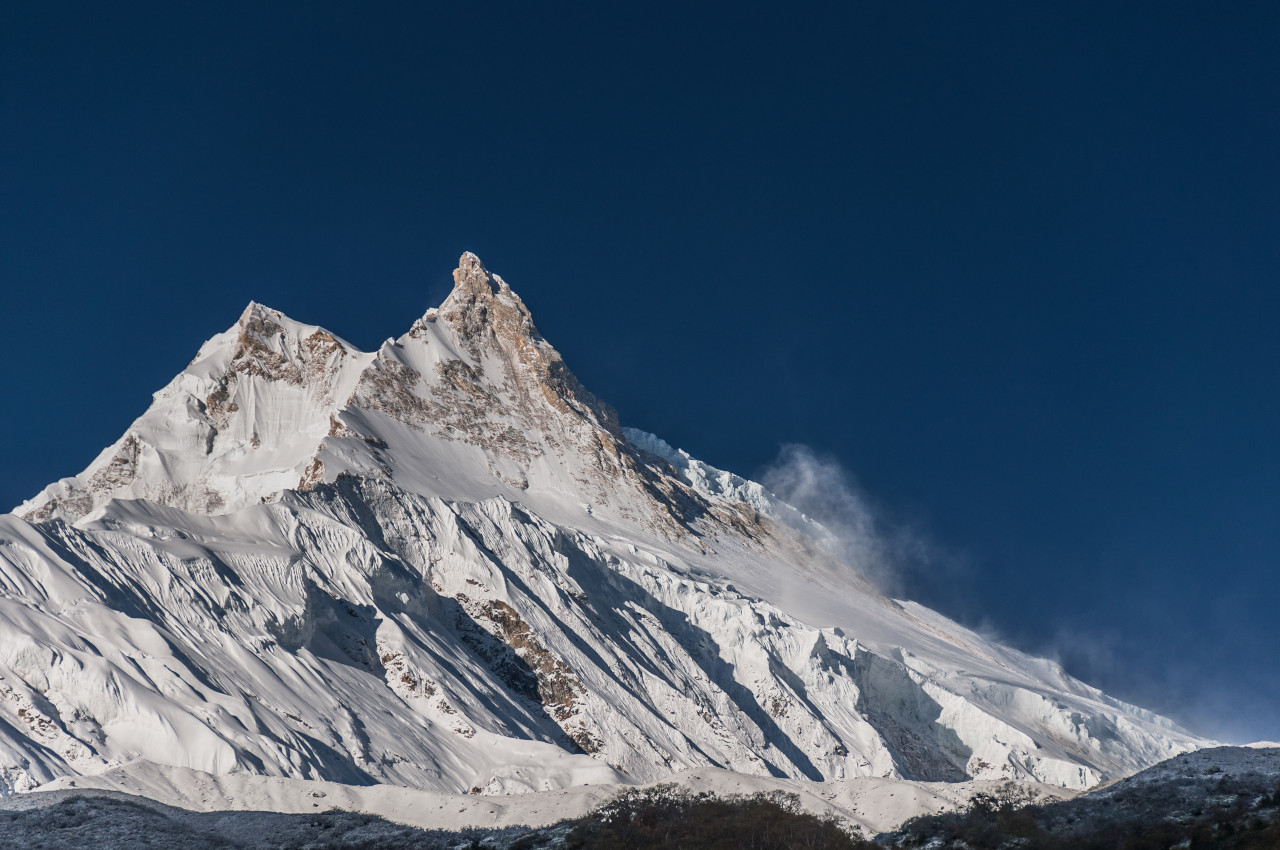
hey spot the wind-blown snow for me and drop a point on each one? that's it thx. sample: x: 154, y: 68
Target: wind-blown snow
x: 445, y: 565
x: 704, y: 478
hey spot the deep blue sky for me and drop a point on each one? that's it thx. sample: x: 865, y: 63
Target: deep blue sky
x: 1016, y: 268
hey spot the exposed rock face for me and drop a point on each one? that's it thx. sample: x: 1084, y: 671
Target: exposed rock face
x: 444, y: 564
x: 488, y: 316
x: 476, y: 371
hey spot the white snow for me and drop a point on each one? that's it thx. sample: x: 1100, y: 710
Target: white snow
x: 443, y: 566
x: 874, y: 805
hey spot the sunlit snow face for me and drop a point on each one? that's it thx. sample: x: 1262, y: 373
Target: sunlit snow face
x: 465, y: 574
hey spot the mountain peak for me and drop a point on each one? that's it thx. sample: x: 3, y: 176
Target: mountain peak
x: 473, y: 283
x: 263, y: 322
x: 482, y: 308
x: 471, y: 272
x: 304, y: 560
x: 241, y: 422
x: 255, y: 315
x: 253, y: 310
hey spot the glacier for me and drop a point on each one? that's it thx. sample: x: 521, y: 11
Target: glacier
x: 446, y: 565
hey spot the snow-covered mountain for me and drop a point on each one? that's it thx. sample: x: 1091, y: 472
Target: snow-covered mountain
x: 445, y: 565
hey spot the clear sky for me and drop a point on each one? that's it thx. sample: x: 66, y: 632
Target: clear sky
x: 1013, y: 267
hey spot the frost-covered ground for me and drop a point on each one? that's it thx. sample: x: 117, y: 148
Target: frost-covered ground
x: 445, y: 566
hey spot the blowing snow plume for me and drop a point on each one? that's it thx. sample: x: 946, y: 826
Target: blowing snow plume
x: 862, y: 536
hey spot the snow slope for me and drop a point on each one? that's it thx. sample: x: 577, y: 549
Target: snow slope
x: 444, y: 565
x: 873, y: 804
